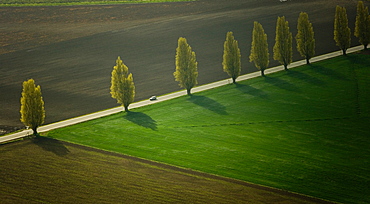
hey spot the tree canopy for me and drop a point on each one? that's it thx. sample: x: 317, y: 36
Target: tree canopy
x: 186, y: 66
x: 342, y: 33
x: 305, y: 37
x: 362, y: 25
x: 122, y: 84
x: 283, y: 43
x: 231, y: 58
x: 32, y: 106
x: 259, y: 50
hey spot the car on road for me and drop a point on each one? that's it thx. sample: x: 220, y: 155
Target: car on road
x: 153, y: 98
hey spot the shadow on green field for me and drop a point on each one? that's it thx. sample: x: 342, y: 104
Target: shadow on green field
x: 251, y: 91
x: 209, y: 104
x: 141, y: 119
x: 51, y: 145
x: 328, y: 72
x: 305, y: 77
x: 358, y: 59
x: 282, y: 84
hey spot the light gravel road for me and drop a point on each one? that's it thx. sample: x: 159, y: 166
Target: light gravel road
x: 166, y: 97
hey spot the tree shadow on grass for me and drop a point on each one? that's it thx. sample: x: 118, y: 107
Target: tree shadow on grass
x: 251, y: 91
x: 358, y: 59
x: 209, y: 104
x: 305, y: 77
x: 141, y: 119
x: 51, y: 145
x: 281, y: 84
x: 328, y: 72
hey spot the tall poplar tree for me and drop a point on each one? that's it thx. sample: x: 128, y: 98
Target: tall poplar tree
x: 186, y: 66
x: 122, y: 85
x: 305, y: 37
x: 362, y: 25
x: 259, y: 50
x: 32, y: 106
x: 342, y: 33
x: 283, y: 43
x: 231, y: 58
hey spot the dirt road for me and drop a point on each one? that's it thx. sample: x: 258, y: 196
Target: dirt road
x: 70, y: 51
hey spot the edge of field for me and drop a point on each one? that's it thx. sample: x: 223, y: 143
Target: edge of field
x: 189, y: 171
x: 87, y: 3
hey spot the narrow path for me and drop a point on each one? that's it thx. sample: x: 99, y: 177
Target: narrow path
x: 170, y: 96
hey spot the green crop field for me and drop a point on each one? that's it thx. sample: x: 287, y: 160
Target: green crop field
x: 77, y: 2
x: 305, y: 130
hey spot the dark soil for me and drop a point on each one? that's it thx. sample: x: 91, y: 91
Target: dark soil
x: 70, y: 50
x: 8, y: 129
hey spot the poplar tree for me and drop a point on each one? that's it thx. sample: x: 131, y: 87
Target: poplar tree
x: 32, y: 106
x: 305, y: 37
x: 231, y: 58
x: 342, y: 33
x: 283, y: 43
x: 259, y: 51
x: 122, y: 85
x: 186, y: 66
x: 362, y: 25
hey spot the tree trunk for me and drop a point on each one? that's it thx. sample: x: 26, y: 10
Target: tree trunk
x: 188, y: 92
x: 285, y: 64
x: 263, y: 72
x: 234, y: 81
x: 126, y: 108
x: 344, y: 52
x: 286, y: 67
x: 35, y: 131
x: 307, y: 61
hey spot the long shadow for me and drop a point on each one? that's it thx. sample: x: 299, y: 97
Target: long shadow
x: 328, y: 72
x: 141, y: 119
x: 251, y: 91
x: 305, y: 77
x: 358, y: 59
x: 282, y: 84
x: 209, y: 104
x: 51, y: 145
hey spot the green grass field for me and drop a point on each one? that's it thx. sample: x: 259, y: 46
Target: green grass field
x: 77, y: 2
x: 306, y: 130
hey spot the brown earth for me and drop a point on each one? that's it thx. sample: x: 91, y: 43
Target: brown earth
x: 70, y: 50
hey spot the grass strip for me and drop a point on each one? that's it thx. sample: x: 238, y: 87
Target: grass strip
x: 305, y: 130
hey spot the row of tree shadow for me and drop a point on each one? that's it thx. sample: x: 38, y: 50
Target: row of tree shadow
x: 210, y: 104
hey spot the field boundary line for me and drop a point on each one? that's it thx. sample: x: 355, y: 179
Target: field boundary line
x: 196, y: 173
x: 107, y: 112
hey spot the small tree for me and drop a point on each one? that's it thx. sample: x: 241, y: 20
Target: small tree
x: 231, y: 58
x: 32, y: 106
x: 283, y: 43
x: 342, y: 33
x: 305, y: 37
x: 362, y: 25
x: 122, y: 85
x: 186, y: 66
x: 259, y: 51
